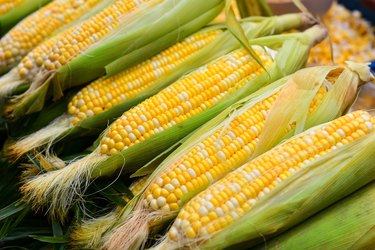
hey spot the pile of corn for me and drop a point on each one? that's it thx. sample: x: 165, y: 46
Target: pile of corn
x: 351, y: 36
x: 136, y: 124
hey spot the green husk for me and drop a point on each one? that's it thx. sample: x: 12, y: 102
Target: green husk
x: 324, y: 181
x: 155, y: 19
x: 348, y: 224
x: 254, y: 27
x: 9, y: 19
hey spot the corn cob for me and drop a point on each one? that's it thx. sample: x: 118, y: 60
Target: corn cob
x: 166, y: 123
x: 348, y: 224
x: 63, y: 64
x: 108, y: 98
x: 11, y: 12
x: 229, y: 145
x: 232, y: 198
x: 44, y: 22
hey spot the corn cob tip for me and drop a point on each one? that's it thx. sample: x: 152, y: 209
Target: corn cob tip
x: 131, y: 234
x: 8, y: 83
x: 59, y: 190
x: 47, y: 135
x: 89, y: 233
x: 317, y: 33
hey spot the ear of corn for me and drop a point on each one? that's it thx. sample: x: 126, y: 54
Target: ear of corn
x: 68, y: 64
x: 223, y: 145
x: 12, y: 12
x: 107, y: 98
x: 265, y: 196
x: 348, y: 224
x: 30, y: 54
x: 127, y: 140
x: 44, y: 22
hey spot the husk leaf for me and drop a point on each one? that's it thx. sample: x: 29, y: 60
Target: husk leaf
x: 311, y: 189
x: 348, y: 224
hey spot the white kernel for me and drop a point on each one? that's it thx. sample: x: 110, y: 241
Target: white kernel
x: 221, y: 155
x: 366, y: 117
x: 308, y: 141
x: 248, y: 177
x: 208, y: 197
x: 369, y: 125
x: 209, y: 206
x: 132, y: 137
x: 165, y: 208
x: 173, y: 231
x: 177, y: 222
x: 156, y: 122
x: 184, y: 189
x: 234, y: 202
x: 261, y: 194
x: 161, y: 201
x: 243, y: 196
x: 231, y: 134
x: 143, y: 117
x: 325, y: 132
x: 209, y: 176
x: 341, y: 132
x: 229, y: 204
x: 202, y: 210
x: 219, y: 212
x: 185, y: 223
x: 182, y: 167
x: 267, y: 190
x: 159, y: 181
x: 234, y: 215
x: 154, y: 204
x: 175, y: 182
x: 80, y: 102
x: 251, y: 202
x: 239, y: 139
x: 256, y: 172
x: 192, y: 172
x: 205, y: 153
x: 255, y: 130
x: 150, y: 197
x: 128, y: 128
x: 169, y: 187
